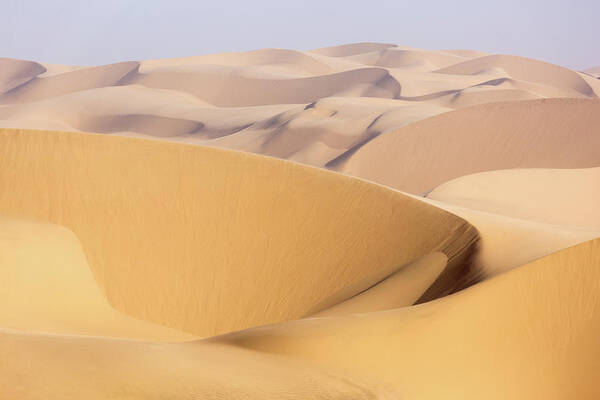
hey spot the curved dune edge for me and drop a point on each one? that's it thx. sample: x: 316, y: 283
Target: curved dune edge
x: 403, y: 288
x: 547, y: 133
x: 46, y: 286
x: 567, y: 197
x: 209, y: 241
x: 527, y: 333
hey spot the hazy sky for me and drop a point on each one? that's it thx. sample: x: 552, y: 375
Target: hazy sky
x: 98, y: 32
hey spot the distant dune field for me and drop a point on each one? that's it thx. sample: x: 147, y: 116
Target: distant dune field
x: 365, y: 221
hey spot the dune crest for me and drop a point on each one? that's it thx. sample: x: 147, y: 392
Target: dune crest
x: 224, y: 222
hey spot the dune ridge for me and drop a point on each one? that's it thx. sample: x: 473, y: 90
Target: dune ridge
x: 220, y: 219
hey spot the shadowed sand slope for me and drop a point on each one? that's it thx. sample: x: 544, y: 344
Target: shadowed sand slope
x: 567, y: 197
x: 208, y: 240
x: 553, y: 133
x: 531, y: 332
x: 47, y: 286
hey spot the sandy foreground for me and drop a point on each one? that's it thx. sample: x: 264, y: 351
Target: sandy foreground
x: 355, y: 222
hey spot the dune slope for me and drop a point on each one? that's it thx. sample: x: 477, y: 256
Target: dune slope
x: 208, y: 240
x: 46, y: 286
x: 567, y: 197
x: 531, y: 332
x: 551, y: 133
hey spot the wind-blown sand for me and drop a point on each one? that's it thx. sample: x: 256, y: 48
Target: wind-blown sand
x: 452, y: 250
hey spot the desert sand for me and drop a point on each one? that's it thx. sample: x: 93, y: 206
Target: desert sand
x: 352, y: 222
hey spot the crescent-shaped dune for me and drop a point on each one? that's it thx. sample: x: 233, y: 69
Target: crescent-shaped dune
x: 548, y: 133
x: 208, y: 240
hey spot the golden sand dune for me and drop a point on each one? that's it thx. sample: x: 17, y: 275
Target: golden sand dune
x: 545, y: 195
x: 553, y: 133
x: 531, y: 332
x: 506, y: 243
x: 46, y: 286
x: 172, y: 231
x: 528, y: 333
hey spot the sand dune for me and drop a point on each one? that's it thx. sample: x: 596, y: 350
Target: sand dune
x: 524, y: 69
x: 402, y: 288
x: 553, y: 133
x: 241, y: 100
x: 68, y: 82
x: 46, y: 286
x: 595, y: 72
x: 506, y: 243
x: 540, y: 340
x: 218, y: 219
x: 530, y: 332
x: 14, y: 73
x: 545, y: 195
x: 211, y: 85
x: 446, y: 270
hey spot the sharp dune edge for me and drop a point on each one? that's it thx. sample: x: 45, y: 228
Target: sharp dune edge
x: 452, y: 252
x: 199, y: 224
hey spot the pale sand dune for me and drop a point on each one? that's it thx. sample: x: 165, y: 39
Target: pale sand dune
x: 524, y: 69
x: 211, y: 85
x: 352, y: 49
x: 72, y: 367
x: 275, y: 60
x: 337, y: 125
x: 595, y: 71
x: 567, y: 197
x: 402, y: 288
x: 46, y: 286
x: 549, y: 133
x: 225, y: 223
x: 529, y: 333
x: 68, y: 82
x: 252, y: 101
x: 17, y: 72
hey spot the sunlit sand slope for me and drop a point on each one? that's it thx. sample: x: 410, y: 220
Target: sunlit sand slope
x: 567, y: 197
x: 553, y: 133
x: 47, y: 286
x: 529, y: 333
x: 208, y: 240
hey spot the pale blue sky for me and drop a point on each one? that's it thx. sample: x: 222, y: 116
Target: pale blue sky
x: 98, y: 32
